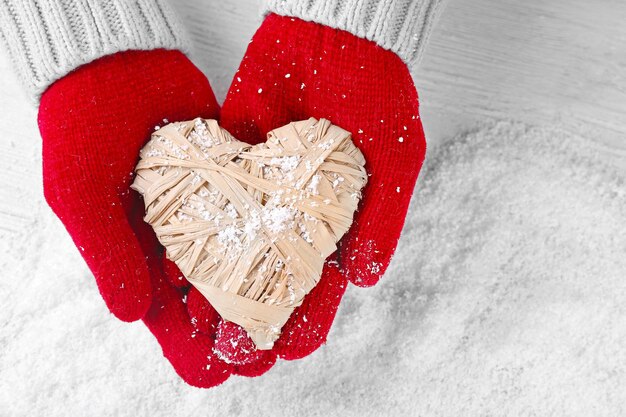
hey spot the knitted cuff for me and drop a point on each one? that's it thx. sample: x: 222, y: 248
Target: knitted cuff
x: 401, y: 26
x: 46, y: 39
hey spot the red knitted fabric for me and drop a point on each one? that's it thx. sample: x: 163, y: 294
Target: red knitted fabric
x: 95, y: 120
x: 93, y: 123
x: 293, y: 70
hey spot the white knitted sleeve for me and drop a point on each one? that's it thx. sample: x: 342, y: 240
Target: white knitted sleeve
x: 402, y: 26
x: 46, y: 39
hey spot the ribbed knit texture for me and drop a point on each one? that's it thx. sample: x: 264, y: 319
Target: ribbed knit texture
x: 46, y: 39
x: 402, y: 26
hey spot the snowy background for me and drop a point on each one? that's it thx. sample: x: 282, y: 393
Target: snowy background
x: 507, y: 295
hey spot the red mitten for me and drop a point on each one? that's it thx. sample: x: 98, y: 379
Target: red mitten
x: 97, y: 108
x: 294, y: 70
x: 93, y: 123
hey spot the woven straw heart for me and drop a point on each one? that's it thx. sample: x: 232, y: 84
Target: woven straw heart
x: 251, y: 226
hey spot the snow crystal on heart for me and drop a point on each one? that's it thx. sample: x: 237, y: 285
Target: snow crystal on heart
x: 286, y: 163
x: 278, y: 219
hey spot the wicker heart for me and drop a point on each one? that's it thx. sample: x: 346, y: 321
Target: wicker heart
x: 251, y: 226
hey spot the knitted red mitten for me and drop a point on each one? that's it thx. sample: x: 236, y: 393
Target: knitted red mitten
x: 93, y: 123
x: 293, y: 70
x: 97, y: 108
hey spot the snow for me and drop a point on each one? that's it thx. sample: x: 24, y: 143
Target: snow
x: 506, y: 297
x: 278, y: 219
x: 286, y: 163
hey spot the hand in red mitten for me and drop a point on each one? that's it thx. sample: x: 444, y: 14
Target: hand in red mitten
x: 294, y: 70
x: 93, y: 123
x: 96, y: 112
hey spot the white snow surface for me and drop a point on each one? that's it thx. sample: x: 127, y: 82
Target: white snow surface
x: 506, y: 297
